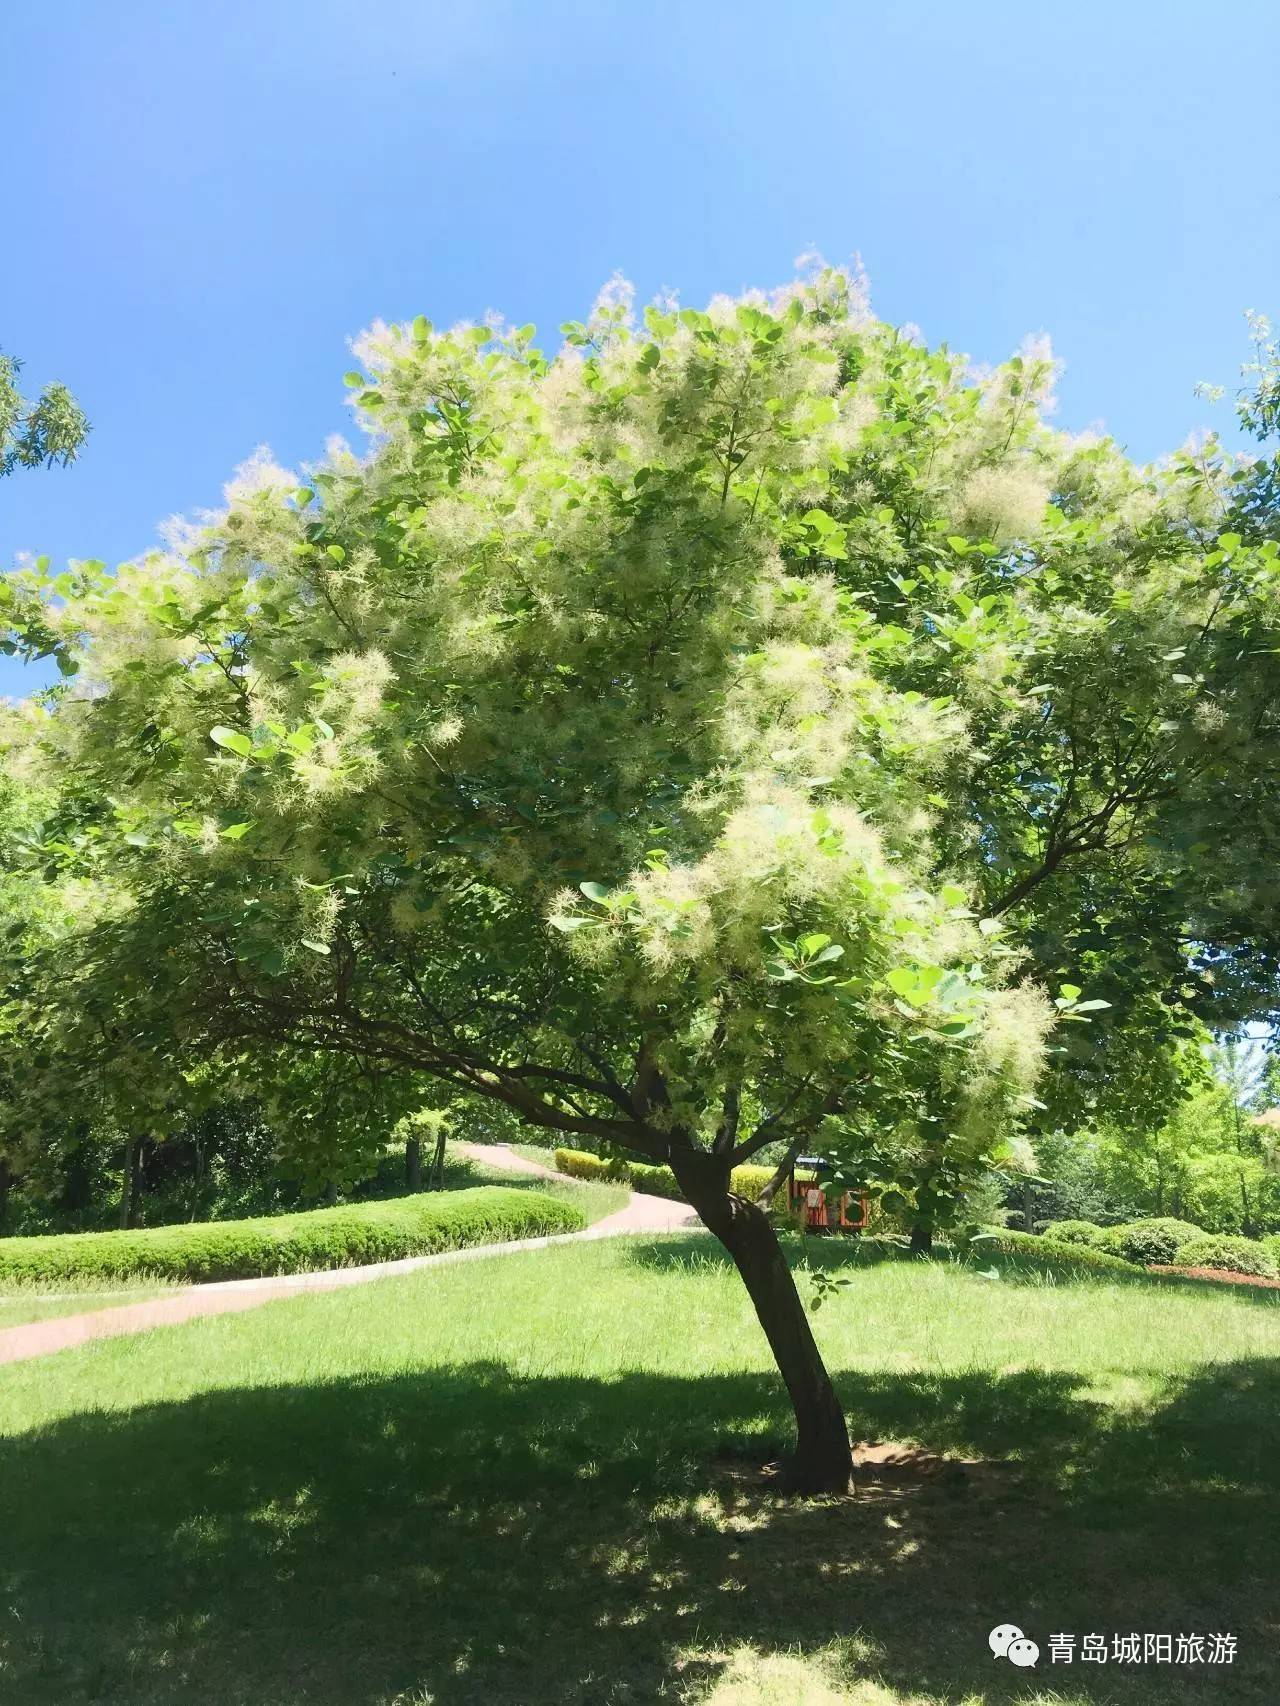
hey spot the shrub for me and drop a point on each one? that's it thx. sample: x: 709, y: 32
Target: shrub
x: 1271, y: 1244
x: 1236, y: 1255
x: 1072, y: 1232
x: 747, y: 1181
x: 1075, y: 1258
x: 1147, y: 1241
x: 295, y: 1243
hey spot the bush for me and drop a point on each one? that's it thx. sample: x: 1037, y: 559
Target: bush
x: 1072, y: 1232
x: 1236, y: 1255
x: 295, y: 1243
x: 1075, y: 1258
x: 1147, y: 1241
x: 655, y: 1181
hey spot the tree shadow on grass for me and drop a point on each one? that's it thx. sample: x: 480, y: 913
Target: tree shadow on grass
x: 462, y: 1535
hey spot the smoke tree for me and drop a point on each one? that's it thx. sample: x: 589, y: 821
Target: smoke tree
x: 670, y: 741
x: 50, y: 429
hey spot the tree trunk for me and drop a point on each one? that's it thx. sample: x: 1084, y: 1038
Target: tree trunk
x: 331, y: 1192
x: 823, y: 1461
x: 413, y: 1164
x: 1246, y: 1221
x: 197, y: 1180
x: 437, y: 1162
x: 77, y: 1189
x: 129, y: 1187
x: 922, y: 1238
x: 6, y: 1179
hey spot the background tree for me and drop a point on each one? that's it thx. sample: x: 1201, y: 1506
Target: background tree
x: 690, y: 744
x: 433, y: 1125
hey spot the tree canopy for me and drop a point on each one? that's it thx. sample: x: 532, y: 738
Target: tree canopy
x: 746, y: 727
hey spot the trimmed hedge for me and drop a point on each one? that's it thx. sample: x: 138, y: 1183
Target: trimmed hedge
x: 656, y: 1181
x: 1078, y: 1258
x: 1236, y: 1255
x: 294, y: 1243
x: 1148, y: 1241
x: 1085, y: 1232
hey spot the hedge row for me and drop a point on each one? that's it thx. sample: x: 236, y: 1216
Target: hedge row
x: 655, y: 1181
x: 1234, y: 1255
x: 1079, y: 1258
x: 294, y: 1243
x: 1140, y: 1241
x: 1167, y: 1243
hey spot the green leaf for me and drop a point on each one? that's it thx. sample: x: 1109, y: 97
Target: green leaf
x: 354, y: 379
x: 316, y: 947
x: 820, y: 521
x: 595, y: 891
x: 953, y: 896
x: 1091, y: 1006
x: 236, y: 831
x: 232, y: 739
x: 1070, y: 991
x: 421, y: 328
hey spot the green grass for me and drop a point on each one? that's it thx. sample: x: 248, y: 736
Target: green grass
x: 531, y: 1480
x: 595, y: 1199
x: 43, y: 1302
x: 543, y: 1153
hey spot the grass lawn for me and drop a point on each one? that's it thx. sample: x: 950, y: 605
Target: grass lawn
x: 42, y: 1303
x: 596, y: 1200
x: 532, y: 1480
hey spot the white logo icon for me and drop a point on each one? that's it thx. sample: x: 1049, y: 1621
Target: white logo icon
x: 1007, y: 1641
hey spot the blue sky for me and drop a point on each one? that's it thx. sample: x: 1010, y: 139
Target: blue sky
x: 203, y: 203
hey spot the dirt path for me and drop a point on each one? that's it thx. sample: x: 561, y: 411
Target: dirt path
x: 41, y: 1338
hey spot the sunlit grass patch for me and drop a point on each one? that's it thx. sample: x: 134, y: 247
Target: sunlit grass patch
x: 45, y: 1300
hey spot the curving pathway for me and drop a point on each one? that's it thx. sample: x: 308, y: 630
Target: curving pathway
x: 41, y: 1338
